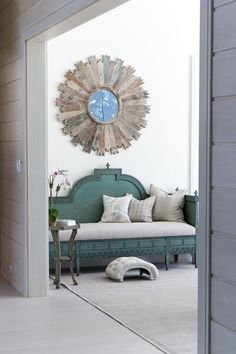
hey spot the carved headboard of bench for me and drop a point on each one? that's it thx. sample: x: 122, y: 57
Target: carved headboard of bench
x: 84, y: 203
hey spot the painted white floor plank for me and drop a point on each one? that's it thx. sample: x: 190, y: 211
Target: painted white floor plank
x: 61, y: 323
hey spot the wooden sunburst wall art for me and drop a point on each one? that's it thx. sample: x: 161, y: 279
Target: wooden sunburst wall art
x: 102, y: 105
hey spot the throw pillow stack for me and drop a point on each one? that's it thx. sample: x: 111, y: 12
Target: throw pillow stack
x: 160, y: 206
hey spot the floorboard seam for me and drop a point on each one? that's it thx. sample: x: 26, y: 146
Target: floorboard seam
x: 112, y: 317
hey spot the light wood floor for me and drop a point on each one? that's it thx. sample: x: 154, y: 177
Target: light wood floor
x: 61, y: 323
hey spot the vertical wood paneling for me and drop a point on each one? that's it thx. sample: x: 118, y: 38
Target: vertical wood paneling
x: 222, y: 2
x: 223, y: 256
x: 225, y: 27
x: 223, y: 303
x: 15, y: 17
x: 223, y: 265
x: 223, y: 210
x: 224, y: 73
x: 224, y: 120
x: 223, y: 340
x: 223, y: 165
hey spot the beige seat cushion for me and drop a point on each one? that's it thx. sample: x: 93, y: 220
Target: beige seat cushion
x: 99, y: 231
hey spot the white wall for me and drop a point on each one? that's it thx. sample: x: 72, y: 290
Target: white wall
x: 159, y: 47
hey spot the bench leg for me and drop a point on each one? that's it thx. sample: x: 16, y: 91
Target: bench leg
x: 167, y: 261
x: 77, y: 262
x: 176, y: 257
x: 194, y: 259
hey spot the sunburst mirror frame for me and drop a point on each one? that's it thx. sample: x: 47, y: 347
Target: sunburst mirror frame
x: 75, y: 92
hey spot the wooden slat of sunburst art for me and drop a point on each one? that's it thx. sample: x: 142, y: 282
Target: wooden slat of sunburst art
x: 97, y: 73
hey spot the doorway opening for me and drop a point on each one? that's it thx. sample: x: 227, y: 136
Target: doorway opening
x: 177, y: 102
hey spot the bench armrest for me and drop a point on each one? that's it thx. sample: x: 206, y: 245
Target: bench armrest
x: 190, y: 209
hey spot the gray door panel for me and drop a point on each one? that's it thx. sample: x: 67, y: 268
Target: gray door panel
x: 223, y: 340
x: 225, y: 27
x: 224, y: 73
x: 223, y: 257
x: 223, y: 303
x: 223, y: 165
x: 224, y: 120
x: 223, y: 181
x: 221, y: 2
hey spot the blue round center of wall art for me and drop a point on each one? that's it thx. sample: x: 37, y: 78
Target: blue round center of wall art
x: 103, y: 105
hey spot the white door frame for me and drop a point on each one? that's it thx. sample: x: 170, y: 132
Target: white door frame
x: 204, y: 232
x: 33, y: 42
x: 35, y: 127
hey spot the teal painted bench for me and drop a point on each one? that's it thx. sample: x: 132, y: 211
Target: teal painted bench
x: 84, y: 204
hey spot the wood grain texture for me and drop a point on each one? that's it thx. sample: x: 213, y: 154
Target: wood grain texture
x: 80, y: 83
x: 223, y: 210
x: 10, y: 72
x: 225, y: 27
x: 222, y: 338
x: 11, y: 91
x: 223, y: 256
x: 222, y: 2
x: 224, y: 120
x: 224, y: 74
x: 10, y: 52
x: 223, y: 165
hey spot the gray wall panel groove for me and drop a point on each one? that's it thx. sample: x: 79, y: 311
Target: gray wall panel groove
x: 223, y: 258
x: 223, y: 215
x: 224, y: 210
x: 223, y: 279
x: 15, y: 17
x: 224, y: 74
x: 225, y: 27
x: 223, y: 165
x: 224, y: 120
x: 10, y: 52
x: 219, y: 3
x: 223, y: 340
x: 15, y: 251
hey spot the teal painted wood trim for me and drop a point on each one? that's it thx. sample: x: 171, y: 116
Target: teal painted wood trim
x: 84, y: 203
x: 98, y: 249
x: 190, y: 209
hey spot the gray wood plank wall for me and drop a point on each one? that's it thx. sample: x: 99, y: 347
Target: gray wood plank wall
x: 15, y: 17
x: 223, y: 323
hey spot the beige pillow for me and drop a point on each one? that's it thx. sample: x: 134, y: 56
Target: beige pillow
x: 141, y: 210
x: 115, y: 209
x: 167, y: 207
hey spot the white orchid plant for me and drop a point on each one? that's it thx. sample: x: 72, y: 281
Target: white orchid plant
x: 57, y: 180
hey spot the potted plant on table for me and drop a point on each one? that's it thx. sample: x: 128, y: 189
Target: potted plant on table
x: 62, y: 182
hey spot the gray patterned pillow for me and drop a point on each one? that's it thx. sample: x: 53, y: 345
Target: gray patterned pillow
x: 168, y: 207
x: 141, y: 210
x: 116, y: 209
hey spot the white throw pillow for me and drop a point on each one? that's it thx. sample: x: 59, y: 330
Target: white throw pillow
x: 141, y: 210
x: 167, y: 207
x: 116, y: 209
